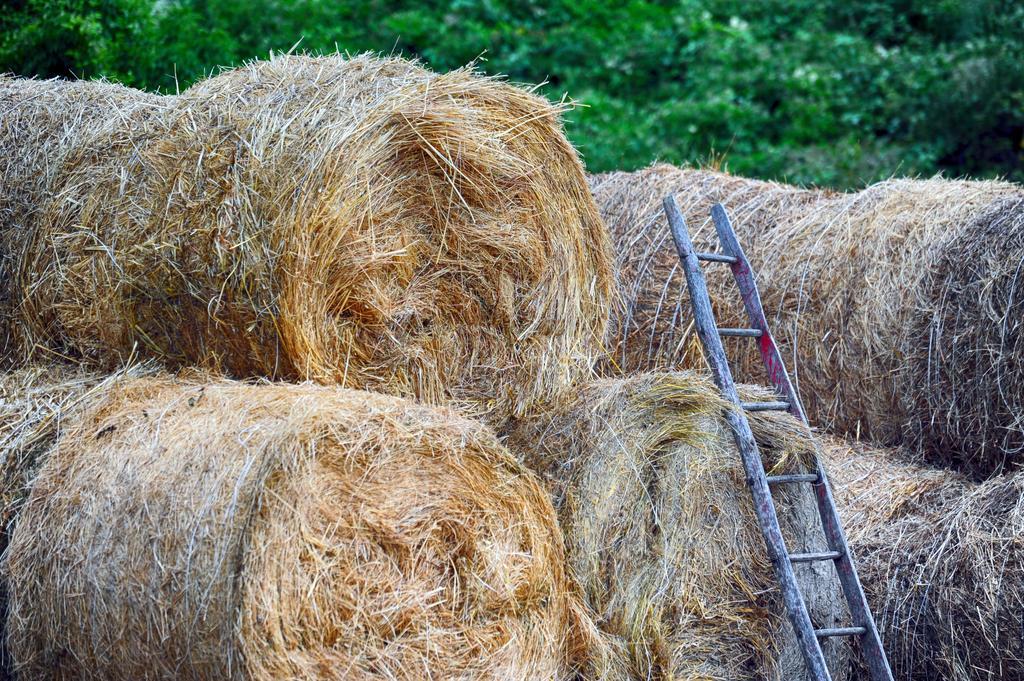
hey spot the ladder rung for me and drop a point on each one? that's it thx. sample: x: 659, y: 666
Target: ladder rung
x: 793, y: 477
x: 765, y: 406
x: 716, y: 257
x: 812, y: 557
x: 748, y: 333
x: 840, y: 631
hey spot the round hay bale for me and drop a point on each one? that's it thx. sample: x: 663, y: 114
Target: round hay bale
x: 943, y: 569
x: 356, y: 221
x: 966, y: 387
x: 660, y: 529
x: 36, y: 404
x: 874, y: 297
x: 190, y: 529
x: 40, y: 122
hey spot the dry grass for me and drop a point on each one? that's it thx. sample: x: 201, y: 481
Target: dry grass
x: 40, y: 123
x: 941, y: 560
x: 36, y: 405
x: 899, y: 307
x: 660, y: 528
x: 968, y: 409
x: 208, y: 529
x: 873, y: 486
x: 356, y: 221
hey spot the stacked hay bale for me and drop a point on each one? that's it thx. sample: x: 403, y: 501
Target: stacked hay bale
x: 899, y: 308
x: 361, y: 221
x: 201, y: 528
x: 874, y: 486
x: 358, y: 222
x: 661, y: 533
x: 651, y: 329
x: 40, y: 123
x: 941, y: 560
x: 35, y: 405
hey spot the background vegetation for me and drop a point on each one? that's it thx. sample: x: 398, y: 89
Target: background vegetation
x: 836, y: 92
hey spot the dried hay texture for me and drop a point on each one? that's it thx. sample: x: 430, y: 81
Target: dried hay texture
x: 356, y: 221
x: 197, y: 529
x: 900, y: 308
x: 40, y: 123
x: 873, y: 486
x: 652, y: 329
x: 660, y: 528
x: 36, y: 404
x: 942, y: 561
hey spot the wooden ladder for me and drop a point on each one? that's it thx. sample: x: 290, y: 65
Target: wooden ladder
x: 837, y: 551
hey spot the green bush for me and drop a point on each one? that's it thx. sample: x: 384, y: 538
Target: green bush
x: 837, y: 92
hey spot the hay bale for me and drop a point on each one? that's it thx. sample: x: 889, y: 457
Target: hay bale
x: 874, y: 486
x: 40, y: 122
x: 356, y: 221
x: 966, y: 390
x: 660, y: 528
x: 942, y: 564
x: 874, y: 297
x: 35, y: 405
x: 197, y: 529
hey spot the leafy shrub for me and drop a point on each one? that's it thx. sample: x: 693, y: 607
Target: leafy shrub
x: 837, y: 92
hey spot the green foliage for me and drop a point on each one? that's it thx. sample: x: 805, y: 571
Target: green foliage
x: 837, y: 92
x: 83, y: 38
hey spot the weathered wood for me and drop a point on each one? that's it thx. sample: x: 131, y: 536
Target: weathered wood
x: 747, y: 333
x: 812, y: 557
x: 823, y: 595
x: 840, y: 631
x: 764, y: 507
x: 838, y: 551
x: 716, y: 257
x: 765, y: 406
x: 793, y: 477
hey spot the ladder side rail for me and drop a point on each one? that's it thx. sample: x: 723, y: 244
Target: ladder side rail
x: 860, y: 611
x: 764, y: 507
x: 744, y: 276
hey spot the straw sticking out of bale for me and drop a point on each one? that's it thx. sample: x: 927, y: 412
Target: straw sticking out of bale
x: 873, y: 296
x: 357, y: 221
x: 941, y: 563
x: 660, y: 528
x: 874, y: 486
x: 223, y: 530
x: 36, y: 404
x: 41, y: 122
